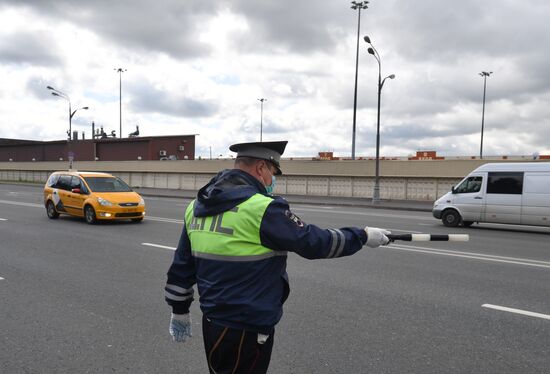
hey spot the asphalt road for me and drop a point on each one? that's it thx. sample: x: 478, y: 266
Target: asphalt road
x: 76, y: 298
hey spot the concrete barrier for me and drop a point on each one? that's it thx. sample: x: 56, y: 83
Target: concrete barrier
x: 403, y: 180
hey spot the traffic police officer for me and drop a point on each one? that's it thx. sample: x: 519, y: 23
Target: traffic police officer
x: 234, y: 247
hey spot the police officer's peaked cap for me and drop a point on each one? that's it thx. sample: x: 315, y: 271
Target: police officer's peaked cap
x: 270, y: 151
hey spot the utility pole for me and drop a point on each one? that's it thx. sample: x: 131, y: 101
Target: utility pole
x: 356, y: 6
x: 261, y: 115
x: 120, y: 71
x: 371, y: 50
x: 484, y: 74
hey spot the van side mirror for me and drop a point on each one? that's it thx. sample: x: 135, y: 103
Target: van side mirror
x: 76, y: 190
x: 453, y: 189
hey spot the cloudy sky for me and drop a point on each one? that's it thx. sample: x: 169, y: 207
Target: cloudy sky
x: 199, y: 67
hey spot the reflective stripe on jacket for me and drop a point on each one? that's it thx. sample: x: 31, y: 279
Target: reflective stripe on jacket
x: 233, y: 235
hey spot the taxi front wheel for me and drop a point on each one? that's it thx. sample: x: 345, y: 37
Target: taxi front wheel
x: 89, y: 215
x: 50, y: 210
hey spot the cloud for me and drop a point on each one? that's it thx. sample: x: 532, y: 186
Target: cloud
x: 36, y: 86
x: 145, y: 97
x: 201, y: 66
x: 171, y: 27
x: 298, y: 27
x: 30, y: 48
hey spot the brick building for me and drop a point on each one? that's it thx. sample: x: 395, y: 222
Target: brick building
x: 176, y: 147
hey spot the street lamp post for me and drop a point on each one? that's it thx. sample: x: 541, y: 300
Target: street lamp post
x: 56, y: 92
x: 120, y: 71
x: 374, y: 52
x: 261, y: 115
x: 484, y: 74
x: 355, y: 5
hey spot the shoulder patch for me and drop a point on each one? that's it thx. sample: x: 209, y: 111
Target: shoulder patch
x: 294, y: 218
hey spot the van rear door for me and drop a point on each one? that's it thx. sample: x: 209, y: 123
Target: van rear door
x: 536, y: 199
x: 504, y: 197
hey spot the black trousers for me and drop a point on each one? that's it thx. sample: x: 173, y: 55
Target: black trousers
x: 235, y: 351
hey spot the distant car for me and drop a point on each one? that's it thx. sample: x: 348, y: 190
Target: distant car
x: 94, y: 196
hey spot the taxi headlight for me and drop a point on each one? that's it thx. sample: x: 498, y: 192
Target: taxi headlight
x: 141, y: 201
x: 104, y: 202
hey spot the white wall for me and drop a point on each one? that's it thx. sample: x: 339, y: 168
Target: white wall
x: 402, y: 188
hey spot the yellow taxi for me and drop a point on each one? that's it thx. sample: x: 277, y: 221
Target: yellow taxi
x: 94, y: 196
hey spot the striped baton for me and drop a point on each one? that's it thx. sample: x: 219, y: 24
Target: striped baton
x: 429, y: 237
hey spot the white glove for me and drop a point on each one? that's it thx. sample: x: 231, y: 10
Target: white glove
x: 180, y: 327
x: 376, y: 237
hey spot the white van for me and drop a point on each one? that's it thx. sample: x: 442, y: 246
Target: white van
x: 516, y: 193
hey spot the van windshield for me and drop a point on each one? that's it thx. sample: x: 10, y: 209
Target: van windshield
x: 107, y: 184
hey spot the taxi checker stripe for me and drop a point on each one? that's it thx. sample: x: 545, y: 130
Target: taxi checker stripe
x: 180, y: 290
x: 211, y: 256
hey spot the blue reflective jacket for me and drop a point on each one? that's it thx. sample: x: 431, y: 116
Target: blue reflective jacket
x: 249, y: 294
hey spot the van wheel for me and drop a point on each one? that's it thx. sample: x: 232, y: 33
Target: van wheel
x: 451, y: 218
x: 50, y: 210
x: 89, y: 215
x: 467, y: 223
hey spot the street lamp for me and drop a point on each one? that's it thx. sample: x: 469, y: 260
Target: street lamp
x: 63, y: 95
x: 120, y: 71
x: 261, y: 115
x: 356, y: 5
x: 484, y: 74
x: 374, y: 52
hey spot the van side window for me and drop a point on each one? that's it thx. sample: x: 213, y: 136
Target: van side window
x: 83, y: 187
x: 76, y: 182
x: 52, y: 180
x: 471, y: 184
x: 505, y: 183
x: 64, y: 182
x: 537, y: 183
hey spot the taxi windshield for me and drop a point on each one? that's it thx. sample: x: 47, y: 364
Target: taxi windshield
x: 107, y: 184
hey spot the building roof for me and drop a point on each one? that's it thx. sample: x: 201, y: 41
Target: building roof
x: 6, y: 141
x: 14, y: 142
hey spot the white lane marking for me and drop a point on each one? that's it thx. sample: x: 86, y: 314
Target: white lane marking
x: 3, y: 219
x: 167, y: 199
x: 162, y: 219
x: 1, y: 278
x: 21, y: 193
x: 159, y: 246
x: 401, y: 230
x: 475, y: 256
x: 21, y: 203
x: 305, y: 207
x: 517, y: 311
x: 415, y: 217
